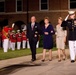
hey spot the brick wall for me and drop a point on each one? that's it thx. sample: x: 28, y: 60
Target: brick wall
x: 10, y: 5
x: 57, y: 8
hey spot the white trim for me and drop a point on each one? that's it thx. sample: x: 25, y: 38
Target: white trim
x: 16, y: 6
x: 68, y: 4
x: 33, y: 12
x: 48, y: 11
x: 40, y: 6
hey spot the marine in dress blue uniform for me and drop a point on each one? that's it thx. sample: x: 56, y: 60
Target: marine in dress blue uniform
x: 71, y: 24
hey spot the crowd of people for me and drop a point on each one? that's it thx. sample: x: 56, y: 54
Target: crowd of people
x: 33, y: 32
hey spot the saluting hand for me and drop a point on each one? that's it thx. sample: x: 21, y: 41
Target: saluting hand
x: 13, y: 25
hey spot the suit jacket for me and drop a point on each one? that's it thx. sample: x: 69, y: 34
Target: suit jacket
x: 33, y: 33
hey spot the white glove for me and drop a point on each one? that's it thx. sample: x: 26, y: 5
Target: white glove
x: 13, y: 25
x: 66, y: 17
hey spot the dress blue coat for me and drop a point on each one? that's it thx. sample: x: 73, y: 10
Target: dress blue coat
x: 48, y: 39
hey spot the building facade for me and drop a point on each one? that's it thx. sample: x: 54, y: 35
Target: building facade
x: 20, y: 11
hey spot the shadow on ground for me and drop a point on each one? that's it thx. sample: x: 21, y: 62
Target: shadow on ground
x: 14, y: 68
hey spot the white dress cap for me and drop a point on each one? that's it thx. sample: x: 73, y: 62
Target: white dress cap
x: 71, y: 12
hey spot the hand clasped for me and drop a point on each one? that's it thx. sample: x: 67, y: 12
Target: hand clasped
x: 46, y: 33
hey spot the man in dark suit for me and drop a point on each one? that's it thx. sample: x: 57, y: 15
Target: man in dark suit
x: 33, y: 31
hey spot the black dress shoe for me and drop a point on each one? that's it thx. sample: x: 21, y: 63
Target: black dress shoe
x: 33, y: 59
x: 72, y: 61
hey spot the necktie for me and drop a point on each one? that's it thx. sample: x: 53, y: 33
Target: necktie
x: 32, y: 26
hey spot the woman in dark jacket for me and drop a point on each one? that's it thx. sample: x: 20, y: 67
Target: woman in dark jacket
x: 47, y: 31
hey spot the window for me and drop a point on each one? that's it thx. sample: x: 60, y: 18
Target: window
x: 18, y: 5
x: 72, y: 4
x: 2, y: 6
x: 44, y: 5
